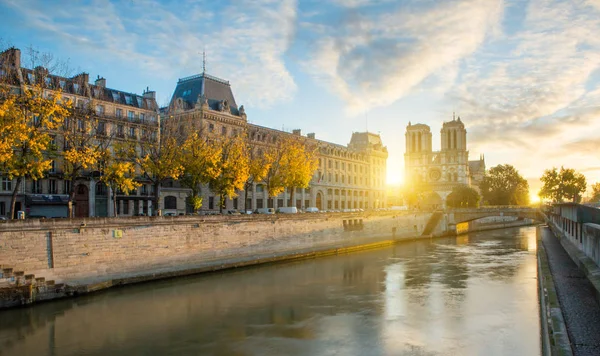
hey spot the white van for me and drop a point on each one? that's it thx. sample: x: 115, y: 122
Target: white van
x: 287, y: 210
x: 312, y: 210
x: 265, y: 211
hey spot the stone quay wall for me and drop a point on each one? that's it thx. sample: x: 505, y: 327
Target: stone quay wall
x: 47, y: 259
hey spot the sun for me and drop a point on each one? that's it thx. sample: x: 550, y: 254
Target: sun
x: 533, y: 197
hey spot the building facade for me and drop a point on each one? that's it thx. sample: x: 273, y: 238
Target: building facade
x: 440, y: 171
x: 117, y: 117
x: 347, y: 177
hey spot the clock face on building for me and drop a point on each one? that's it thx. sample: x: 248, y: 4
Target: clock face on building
x: 434, y: 174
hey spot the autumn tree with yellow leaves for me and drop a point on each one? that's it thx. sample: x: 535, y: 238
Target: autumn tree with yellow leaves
x: 118, y: 170
x: 299, y: 165
x: 232, y: 167
x: 259, y: 164
x: 85, y: 140
x: 27, y: 120
x: 161, y: 159
x: 199, y: 158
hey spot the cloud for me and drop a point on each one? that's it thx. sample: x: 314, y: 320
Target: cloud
x: 166, y: 39
x: 374, y: 60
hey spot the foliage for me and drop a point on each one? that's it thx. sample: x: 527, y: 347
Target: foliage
x: 118, y: 171
x: 233, y: 168
x: 463, y: 196
x: 566, y: 184
x: 503, y: 185
x: 199, y: 161
x: 26, y: 121
x: 258, y: 167
x: 299, y: 165
x: 595, y: 192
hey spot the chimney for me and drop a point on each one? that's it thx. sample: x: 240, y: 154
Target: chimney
x: 149, y: 94
x: 297, y: 132
x: 12, y: 56
x: 100, y: 82
x: 311, y: 135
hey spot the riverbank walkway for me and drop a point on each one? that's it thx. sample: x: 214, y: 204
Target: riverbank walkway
x: 576, y: 295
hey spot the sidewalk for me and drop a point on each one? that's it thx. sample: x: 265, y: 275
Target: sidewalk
x: 581, y: 310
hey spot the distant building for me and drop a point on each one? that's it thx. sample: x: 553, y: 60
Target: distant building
x: 348, y: 177
x: 440, y: 171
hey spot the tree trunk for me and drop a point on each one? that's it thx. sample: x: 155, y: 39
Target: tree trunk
x: 292, y: 197
x: 221, y: 202
x: 72, y: 198
x: 115, y: 202
x: 13, y: 200
x: 246, y: 197
x: 156, y: 197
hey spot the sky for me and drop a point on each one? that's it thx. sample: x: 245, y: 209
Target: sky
x: 524, y: 75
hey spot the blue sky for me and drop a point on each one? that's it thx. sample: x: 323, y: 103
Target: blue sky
x: 524, y: 75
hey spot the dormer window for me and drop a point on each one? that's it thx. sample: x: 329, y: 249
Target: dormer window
x: 128, y: 100
x: 62, y: 84
x: 31, y: 77
x: 76, y: 88
x: 48, y: 81
x: 187, y: 92
x: 115, y: 96
x: 140, y: 101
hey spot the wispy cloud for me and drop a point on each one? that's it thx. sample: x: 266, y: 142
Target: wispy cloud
x: 167, y: 38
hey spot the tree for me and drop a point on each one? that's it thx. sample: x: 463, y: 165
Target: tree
x: 595, y: 192
x: 463, y: 196
x: 27, y: 120
x: 232, y: 167
x: 199, y: 158
x: 564, y: 184
x: 85, y: 139
x: 160, y: 160
x: 258, y: 167
x: 118, y: 171
x: 299, y: 165
x: 503, y: 185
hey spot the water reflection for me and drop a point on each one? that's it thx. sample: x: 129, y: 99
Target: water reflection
x: 469, y: 295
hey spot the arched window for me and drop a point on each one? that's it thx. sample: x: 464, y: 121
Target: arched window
x: 170, y: 202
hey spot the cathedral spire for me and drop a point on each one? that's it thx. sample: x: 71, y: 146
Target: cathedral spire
x: 453, y: 116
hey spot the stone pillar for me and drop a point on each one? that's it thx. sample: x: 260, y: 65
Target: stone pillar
x: 140, y: 204
x: 130, y: 207
x: 150, y: 213
x: 92, y: 197
x: 111, y: 209
x: 120, y: 202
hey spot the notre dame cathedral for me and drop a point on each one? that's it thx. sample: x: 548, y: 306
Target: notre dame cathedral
x: 440, y: 171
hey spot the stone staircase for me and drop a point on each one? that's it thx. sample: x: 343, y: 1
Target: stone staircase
x: 18, y: 288
x: 432, y: 223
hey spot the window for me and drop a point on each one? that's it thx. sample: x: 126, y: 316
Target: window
x: 224, y: 130
x: 119, y: 113
x: 76, y: 88
x: 48, y: 82
x: 142, y: 117
x: 62, y: 84
x: 211, y: 127
x: 67, y: 187
x: 170, y: 202
x: 52, y: 186
x: 120, y: 131
x: 36, y: 187
x: 6, y: 184
x: 36, y: 120
x: 235, y: 203
x: 53, y: 140
x: 100, y: 109
x: 132, y: 132
x: 31, y: 77
x: 130, y: 115
x: 2, y: 208
x: 144, y: 134
x: 115, y: 96
x: 128, y: 100
x: 186, y: 92
x: 80, y: 125
x: 260, y: 188
x: 329, y: 163
x: 144, y: 189
x: 211, y: 202
x: 101, y: 128
x: 52, y: 166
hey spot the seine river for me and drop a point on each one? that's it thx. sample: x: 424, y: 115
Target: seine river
x: 471, y: 295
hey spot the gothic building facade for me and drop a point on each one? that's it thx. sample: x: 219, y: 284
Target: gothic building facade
x: 347, y: 177
x: 440, y: 171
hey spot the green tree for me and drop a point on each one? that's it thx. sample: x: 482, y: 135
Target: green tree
x: 503, y: 185
x: 566, y: 184
x: 463, y: 196
x: 595, y: 192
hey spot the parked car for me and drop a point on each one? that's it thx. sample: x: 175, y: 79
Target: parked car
x: 265, y: 211
x: 249, y: 212
x: 312, y: 210
x: 287, y: 210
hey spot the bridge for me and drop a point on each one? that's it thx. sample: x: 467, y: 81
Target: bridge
x: 456, y: 216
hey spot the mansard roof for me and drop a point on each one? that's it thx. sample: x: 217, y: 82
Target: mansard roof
x: 214, y: 89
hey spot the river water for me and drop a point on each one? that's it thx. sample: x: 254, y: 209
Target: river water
x: 471, y: 295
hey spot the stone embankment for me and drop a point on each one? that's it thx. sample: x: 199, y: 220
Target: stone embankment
x: 71, y: 257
